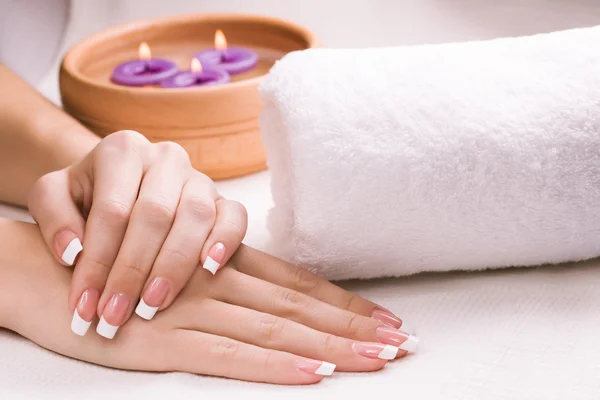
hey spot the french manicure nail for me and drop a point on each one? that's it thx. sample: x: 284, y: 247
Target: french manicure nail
x: 153, y: 297
x: 79, y: 326
x: 315, y: 367
x: 113, y: 316
x: 215, y: 258
x: 84, y: 312
x: 72, y: 249
x: 387, y: 317
x: 375, y: 350
x: 395, y: 337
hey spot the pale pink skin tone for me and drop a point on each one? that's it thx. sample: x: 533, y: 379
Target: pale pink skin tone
x: 150, y: 209
x: 244, y: 323
x: 137, y: 235
x: 285, y: 316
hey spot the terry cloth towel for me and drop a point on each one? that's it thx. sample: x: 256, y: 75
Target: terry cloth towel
x: 459, y: 156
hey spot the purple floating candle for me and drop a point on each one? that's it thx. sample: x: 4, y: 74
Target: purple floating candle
x: 233, y: 59
x: 196, y: 76
x: 145, y: 71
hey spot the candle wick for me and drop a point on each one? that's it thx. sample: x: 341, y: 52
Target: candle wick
x: 149, y: 68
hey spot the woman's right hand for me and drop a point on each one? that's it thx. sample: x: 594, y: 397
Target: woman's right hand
x: 260, y: 319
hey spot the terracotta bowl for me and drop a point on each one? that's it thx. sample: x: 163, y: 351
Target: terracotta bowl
x: 218, y: 126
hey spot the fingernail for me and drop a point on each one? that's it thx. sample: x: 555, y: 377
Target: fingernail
x: 153, y: 297
x: 315, y: 367
x: 387, y: 317
x: 84, y: 312
x: 402, y: 340
x: 215, y: 258
x: 71, y: 244
x: 376, y: 350
x: 113, y: 316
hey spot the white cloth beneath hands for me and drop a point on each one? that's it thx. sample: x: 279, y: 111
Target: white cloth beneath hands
x: 473, y: 155
x: 515, y: 334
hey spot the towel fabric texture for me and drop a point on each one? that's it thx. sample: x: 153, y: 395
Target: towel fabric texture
x: 460, y: 156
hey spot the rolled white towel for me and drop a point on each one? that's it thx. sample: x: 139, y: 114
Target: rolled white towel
x: 462, y: 156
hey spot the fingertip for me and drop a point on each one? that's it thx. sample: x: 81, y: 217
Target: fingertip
x: 401, y: 353
x: 215, y: 258
x: 85, y: 311
x: 315, y: 367
x: 312, y: 379
x: 313, y: 371
x: 154, y: 297
x: 211, y: 265
x: 387, y: 317
x: 145, y: 311
x: 68, y: 246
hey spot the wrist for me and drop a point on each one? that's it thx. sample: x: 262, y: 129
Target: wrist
x: 61, y: 139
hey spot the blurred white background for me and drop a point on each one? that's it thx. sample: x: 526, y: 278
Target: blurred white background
x: 35, y: 33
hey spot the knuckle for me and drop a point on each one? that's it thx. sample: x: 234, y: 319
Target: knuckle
x: 225, y: 349
x: 233, y: 230
x: 292, y: 301
x: 305, y: 281
x: 176, y: 257
x: 269, y: 363
x: 326, y: 343
x: 46, y: 182
x: 270, y: 328
x: 201, y: 208
x: 353, y: 326
x: 43, y: 188
x: 124, y: 140
x: 156, y: 211
x: 133, y: 268
x: 96, y: 262
x: 172, y: 150
x: 350, y: 301
x: 114, y: 210
x: 240, y: 209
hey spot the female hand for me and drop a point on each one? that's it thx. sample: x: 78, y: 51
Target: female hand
x: 145, y: 218
x: 259, y: 319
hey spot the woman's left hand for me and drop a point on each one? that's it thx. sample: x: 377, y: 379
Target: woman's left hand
x: 145, y: 218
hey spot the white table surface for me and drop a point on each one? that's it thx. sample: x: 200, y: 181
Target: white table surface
x: 512, y: 334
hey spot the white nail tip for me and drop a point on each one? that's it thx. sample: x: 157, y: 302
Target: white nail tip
x: 325, y: 369
x: 410, y: 344
x: 105, y: 329
x: 388, y: 353
x: 145, y: 311
x: 79, y: 326
x: 74, y: 247
x: 211, y: 265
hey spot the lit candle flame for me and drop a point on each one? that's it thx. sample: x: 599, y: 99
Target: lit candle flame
x: 144, y: 51
x: 220, y: 41
x: 195, y: 65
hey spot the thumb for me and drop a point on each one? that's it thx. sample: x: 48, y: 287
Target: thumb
x: 53, y: 207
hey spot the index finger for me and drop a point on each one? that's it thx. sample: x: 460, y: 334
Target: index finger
x: 115, y: 172
x: 272, y: 269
